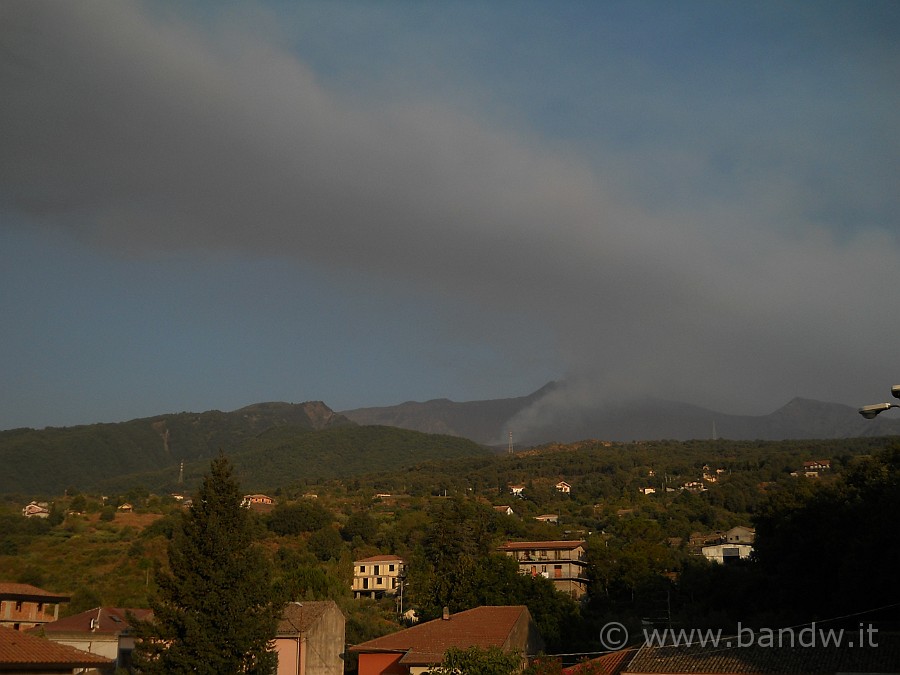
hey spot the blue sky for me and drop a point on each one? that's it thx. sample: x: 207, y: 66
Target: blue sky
x: 209, y: 205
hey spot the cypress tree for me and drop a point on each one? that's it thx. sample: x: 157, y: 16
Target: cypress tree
x: 216, y: 610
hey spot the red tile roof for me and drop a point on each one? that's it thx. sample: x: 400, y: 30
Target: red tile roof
x: 110, y: 620
x: 541, y: 545
x: 764, y: 660
x: 12, y: 591
x: 482, y: 627
x: 31, y: 652
x: 608, y: 664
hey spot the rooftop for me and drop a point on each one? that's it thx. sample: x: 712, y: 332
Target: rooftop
x: 764, y: 660
x: 380, y: 558
x: 13, y: 591
x: 541, y: 545
x: 482, y: 627
x: 29, y: 652
x: 108, y: 620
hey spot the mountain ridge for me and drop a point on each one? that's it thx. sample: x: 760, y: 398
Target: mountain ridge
x: 55, y: 458
x: 535, y: 419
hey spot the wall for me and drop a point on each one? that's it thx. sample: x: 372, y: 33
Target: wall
x: 381, y: 664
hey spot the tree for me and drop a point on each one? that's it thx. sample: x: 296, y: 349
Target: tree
x: 215, y: 610
x: 304, y: 516
x: 476, y: 661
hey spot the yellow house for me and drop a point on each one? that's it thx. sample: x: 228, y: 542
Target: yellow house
x: 378, y: 575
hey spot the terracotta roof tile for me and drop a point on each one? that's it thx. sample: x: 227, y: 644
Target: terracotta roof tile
x: 479, y: 627
x: 111, y: 620
x: 12, y: 591
x: 608, y: 664
x: 759, y: 660
x: 20, y: 649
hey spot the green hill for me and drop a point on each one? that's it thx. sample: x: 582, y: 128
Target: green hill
x: 289, y: 455
x: 47, y: 461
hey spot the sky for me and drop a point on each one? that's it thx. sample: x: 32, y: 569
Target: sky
x: 208, y: 205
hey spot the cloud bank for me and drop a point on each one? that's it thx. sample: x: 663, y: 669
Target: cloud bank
x: 140, y: 130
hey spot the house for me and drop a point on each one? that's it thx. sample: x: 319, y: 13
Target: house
x: 104, y: 631
x: 126, y: 507
x: 694, y: 486
x: 24, y: 606
x: 563, y: 562
x: 378, y: 575
x: 549, y: 518
x: 564, y: 487
x: 24, y: 653
x: 506, y: 510
x: 740, y: 535
x: 817, y: 465
x: 727, y: 553
x: 516, y: 490
x: 256, y: 500
x: 415, y: 650
x: 36, y: 510
x: 310, y: 639
x: 647, y: 490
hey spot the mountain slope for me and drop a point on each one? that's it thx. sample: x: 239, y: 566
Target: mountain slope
x: 546, y: 416
x: 50, y: 460
x: 482, y: 421
x: 284, y: 456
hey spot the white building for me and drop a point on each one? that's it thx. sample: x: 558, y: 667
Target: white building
x: 727, y: 553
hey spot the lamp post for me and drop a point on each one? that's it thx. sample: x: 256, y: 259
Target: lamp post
x: 870, y: 411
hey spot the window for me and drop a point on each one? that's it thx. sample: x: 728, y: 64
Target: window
x: 379, y: 581
x: 557, y: 571
x: 18, y: 605
x: 377, y: 570
x: 390, y: 568
x: 362, y: 569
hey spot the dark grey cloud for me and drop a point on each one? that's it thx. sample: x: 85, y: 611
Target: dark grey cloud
x: 142, y: 131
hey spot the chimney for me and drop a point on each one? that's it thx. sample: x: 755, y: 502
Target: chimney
x: 446, y: 616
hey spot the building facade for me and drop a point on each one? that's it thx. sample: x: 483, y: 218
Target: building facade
x: 378, y: 576
x: 310, y: 639
x: 563, y: 562
x: 23, y: 606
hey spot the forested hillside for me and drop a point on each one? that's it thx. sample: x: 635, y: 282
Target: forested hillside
x: 642, y: 549
x: 283, y: 456
x: 272, y: 443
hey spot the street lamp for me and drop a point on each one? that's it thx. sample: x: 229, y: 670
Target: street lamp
x: 870, y: 411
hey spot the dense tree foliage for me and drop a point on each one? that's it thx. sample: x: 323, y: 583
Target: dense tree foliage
x: 216, y: 608
x: 303, y: 516
x: 477, y: 661
x: 840, y: 536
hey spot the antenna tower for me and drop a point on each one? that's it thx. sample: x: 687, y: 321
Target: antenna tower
x: 509, y: 449
x: 181, y: 473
